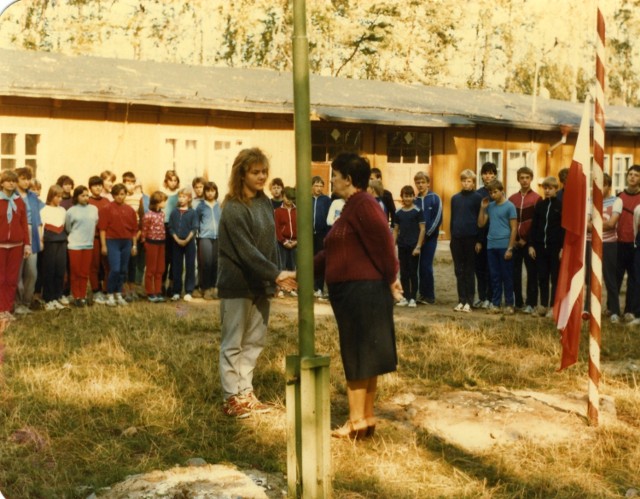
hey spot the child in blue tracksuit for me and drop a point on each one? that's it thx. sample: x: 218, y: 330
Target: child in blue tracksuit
x: 208, y: 213
x: 183, y: 227
x: 431, y: 207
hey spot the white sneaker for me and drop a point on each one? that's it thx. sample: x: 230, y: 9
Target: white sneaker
x: 51, y: 305
x: 466, y: 308
x: 458, y: 307
x: 549, y: 314
x: 412, y: 304
x: 120, y: 300
x: 111, y: 301
x: 293, y: 293
x: 614, y: 319
x: 477, y: 304
x: 628, y: 317
x: 187, y: 297
x: 63, y: 300
x: 99, y: 298
x: 527, y: 310
x: 175, y: 297
x: 485, y: 304
x: 402, y: 303
x: 634, y: 322
x: 280, y: 294
x: 22, y: 310
x: 318, y: 293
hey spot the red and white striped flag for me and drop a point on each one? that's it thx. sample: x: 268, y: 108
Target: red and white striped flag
x: 567, y: 309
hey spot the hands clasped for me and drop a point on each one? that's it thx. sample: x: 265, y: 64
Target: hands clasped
x: 286, y: 280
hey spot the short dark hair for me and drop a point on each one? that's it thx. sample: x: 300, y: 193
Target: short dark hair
x: 376, y: 171
x: 24, y: 172
x: 495, y: 185
x: 117, y: 189
x: 211, y: 187
x: 489, y: 167
x: 563, y: 174
x: 606, y: 179
x: 317, y: 178
x: 128, y: 176
x: 65, y: 179
x: 76, y: 193
x: 350, y: 164
x: 289, y: 193
x: 277, y: 181
x: 95, y: 180
x: 155, y: 199
x: 198, y: 180
x: 407, y: 190
x: 634, y: 168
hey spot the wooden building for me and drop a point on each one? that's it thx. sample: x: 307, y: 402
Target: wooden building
x: 81, y: 115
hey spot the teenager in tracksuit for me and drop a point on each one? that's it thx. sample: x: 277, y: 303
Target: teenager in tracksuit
x: 431, y: 207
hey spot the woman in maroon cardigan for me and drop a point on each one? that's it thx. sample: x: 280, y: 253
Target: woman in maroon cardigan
x: 360, y: 268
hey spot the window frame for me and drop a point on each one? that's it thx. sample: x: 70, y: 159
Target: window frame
x: 20, y: 157
x: 417, y: 162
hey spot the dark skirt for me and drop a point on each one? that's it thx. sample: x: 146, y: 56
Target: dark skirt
x: 364, y: 313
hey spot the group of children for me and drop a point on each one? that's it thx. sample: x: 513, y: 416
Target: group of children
x: 108, y: 236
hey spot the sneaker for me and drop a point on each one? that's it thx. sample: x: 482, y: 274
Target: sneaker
x: 477, y: 304
x: 541, y: 311
x: 628, y: 317
x: 508, y: 310
x: 236, y: 407
x: 160, y: 299
x: 196, y: 293
x: 293, y: 293
x: 120, y: 300
x: 492, y: 309
x: 152, y: 298
x: 458, y: 307
x: 280, y: 294
x: 64, y: 300
x: 421, y: 300
x: 402, y: 303
x: 99, y: 298
x: 412, y: 304
x: 187, y: 297
x: 633, y: 323
x: 80, y: 302
x: 318, y: 293
x: 51, y: 305
x: 175, y: 297
x: 549, y: 314
x: 614, y: 319
x: 527, y: 310
x: 254, y: 404
x: 22, y: 310
x: 111, y: 301
x: 486, y: 304
x: 466, y: 308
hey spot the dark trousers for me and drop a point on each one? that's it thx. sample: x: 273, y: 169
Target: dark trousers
x: 427, y: 281
x: 501, y: 272
x: 207, y: 263
x: 625, y: 264
x: 318, y: 245
x: 287, y: 257
x: 482, y: 275
x: 408, y: 272
x: 464, y: 261
x: 548, y: 266
x: 118, y: 253
x: 183, y: 257
x: 521, y: 255
x: 54, y: 266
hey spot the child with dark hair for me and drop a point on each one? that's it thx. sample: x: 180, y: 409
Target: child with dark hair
x: 183, y: 227
x: 135, y: 270
x: 408, y: 234
x: 611, y: 209
x: 80, y: 224
x: 208, y: 214
x: 197, y: 184
x: 276, y: 186
x: 153, y: 237
x: 99, y: 264
x: 67, y: 184
x: 547, y: 237
x: 465, y: 206
x: 320, y: 204
x: 54, y: 252
x: 118, y: 237
x: 386, y: 196
x: 170, y: 186
x: 488, y: 173
x: 14, y: 240
x: 287, y: 232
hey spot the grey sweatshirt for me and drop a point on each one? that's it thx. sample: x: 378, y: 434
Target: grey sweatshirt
x: 248, y: 258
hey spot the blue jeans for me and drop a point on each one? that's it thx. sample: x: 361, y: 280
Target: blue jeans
x: 427, y: 282
x: 118, y: 253
x: 501, y: 272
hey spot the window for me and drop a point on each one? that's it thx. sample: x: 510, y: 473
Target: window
x: 515, y: 161
x: 409, y: 147
x: 619, y: 167
x: 225, y: 150
x: 489, y: 156
x: 182, y: 155
x: 19, y: 149
x: 327, y: 143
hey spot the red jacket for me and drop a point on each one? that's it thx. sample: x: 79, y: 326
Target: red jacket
x: 286, y: 226
x: 17, y: 231
x: 525, y: 208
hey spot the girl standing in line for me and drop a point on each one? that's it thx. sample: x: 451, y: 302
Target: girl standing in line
x: 80, y: 223
x: 54, y: 252
x: 108, y: 179
x: 170, y: 187
x: 118, y: 236
x: 14, y: 240
x: 208, y: 214
x: 154, y: 237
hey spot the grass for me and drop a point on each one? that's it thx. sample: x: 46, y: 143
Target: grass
x: 90, y: 396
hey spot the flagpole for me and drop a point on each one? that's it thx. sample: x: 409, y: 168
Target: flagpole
x: 595, y: 320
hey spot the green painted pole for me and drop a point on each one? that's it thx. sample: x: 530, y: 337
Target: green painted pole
x: 302, y: 125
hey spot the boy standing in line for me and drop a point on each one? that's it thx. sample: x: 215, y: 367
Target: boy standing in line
x: 387, y: 197
x: 611, y: 207
x: 488, y: 172
x: 133, y: 199
x: 500, y: 241
x: 320, y: 209
x: 545, y: 248
x: 465, y: 207
x: 99, y: 269
x: 431, y: 207
x: 524, y: 200
x: 183, y: 227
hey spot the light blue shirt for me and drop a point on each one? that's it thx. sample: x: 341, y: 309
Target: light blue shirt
x: 80, y: 225
x: 500, y: 228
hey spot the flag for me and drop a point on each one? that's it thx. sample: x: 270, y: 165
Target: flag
x: 567, y: 309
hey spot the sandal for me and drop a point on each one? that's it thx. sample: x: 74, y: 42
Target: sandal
x: 348, y: 430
